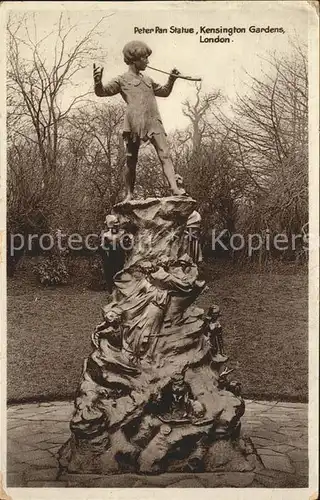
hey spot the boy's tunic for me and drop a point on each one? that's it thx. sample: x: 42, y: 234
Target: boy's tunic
x: 142, y: 118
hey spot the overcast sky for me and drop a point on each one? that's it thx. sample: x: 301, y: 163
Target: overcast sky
x: 221, y: 66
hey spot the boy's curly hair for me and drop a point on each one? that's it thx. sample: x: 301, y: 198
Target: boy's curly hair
x: 134, y: 50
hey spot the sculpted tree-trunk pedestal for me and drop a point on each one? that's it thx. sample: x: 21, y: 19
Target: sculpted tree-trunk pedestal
x: 153, y: 395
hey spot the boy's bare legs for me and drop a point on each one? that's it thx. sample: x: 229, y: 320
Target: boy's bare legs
x: 132, y: 149
x: 161, y: 146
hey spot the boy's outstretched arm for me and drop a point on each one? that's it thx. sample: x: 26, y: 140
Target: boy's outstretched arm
x: 165, y: 90
x: 111, y: 88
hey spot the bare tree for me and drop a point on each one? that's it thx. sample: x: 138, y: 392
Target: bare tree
x: 37, y: 85
x: 207, y: 159
x: 197, y: 112
x: 96, y: 154
x: 271, y: 131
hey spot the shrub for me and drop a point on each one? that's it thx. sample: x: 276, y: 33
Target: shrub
x: 52, y: 271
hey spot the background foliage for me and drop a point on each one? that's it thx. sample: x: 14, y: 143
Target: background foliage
x: 247, y: 166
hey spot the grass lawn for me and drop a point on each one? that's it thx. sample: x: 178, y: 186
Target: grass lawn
x: 265, y: 332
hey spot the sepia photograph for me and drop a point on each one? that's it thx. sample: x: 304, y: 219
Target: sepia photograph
x: 159, y: 185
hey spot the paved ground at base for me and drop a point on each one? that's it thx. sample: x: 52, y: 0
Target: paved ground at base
x: 278, y: 430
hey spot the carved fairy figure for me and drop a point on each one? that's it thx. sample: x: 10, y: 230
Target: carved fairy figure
x: 157, y: 290
x: 233, y: 386
x: 110, y: 329
x: 192, y: 236
x: 213, y: 332
x: 192, y: 232
x: 176, y: 401
x: 112, y: 249
x: 187, y: 286
x: 143, y: 314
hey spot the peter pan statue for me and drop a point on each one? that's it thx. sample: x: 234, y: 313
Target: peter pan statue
x: 142, y: 121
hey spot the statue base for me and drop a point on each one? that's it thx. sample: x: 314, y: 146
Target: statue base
x: 152, y: 397
x: 223, y: 456
x: 237, y: 465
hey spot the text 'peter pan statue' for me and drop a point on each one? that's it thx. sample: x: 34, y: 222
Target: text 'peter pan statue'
x: 142, y: 121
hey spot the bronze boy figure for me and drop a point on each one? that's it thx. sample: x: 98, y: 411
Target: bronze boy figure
x: 142, y: 119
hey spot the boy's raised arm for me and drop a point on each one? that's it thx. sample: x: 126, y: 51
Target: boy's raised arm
x: 111, y: 88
